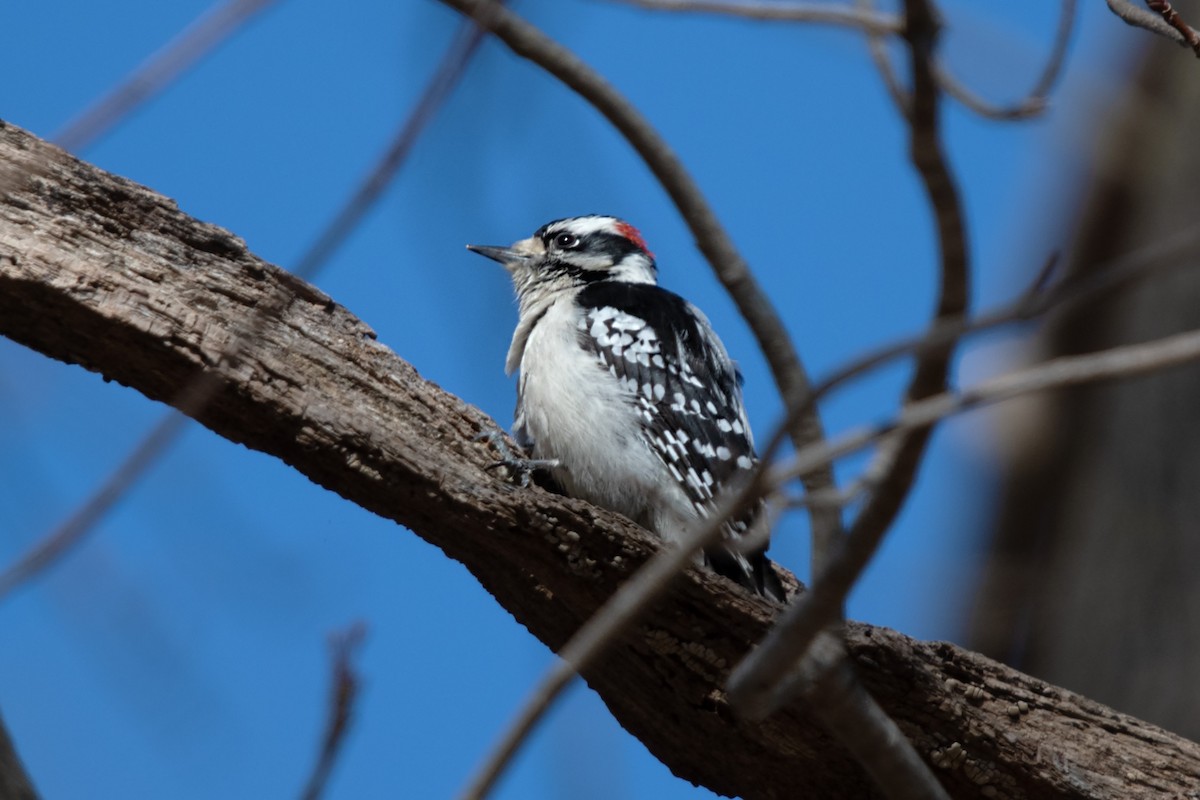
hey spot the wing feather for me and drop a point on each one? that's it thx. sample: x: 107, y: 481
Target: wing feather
x: 681, y: 382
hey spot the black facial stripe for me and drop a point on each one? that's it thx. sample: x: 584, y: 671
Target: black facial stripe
x: 554, y: 269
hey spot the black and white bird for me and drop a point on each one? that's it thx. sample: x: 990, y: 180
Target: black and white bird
x: 625, y: 391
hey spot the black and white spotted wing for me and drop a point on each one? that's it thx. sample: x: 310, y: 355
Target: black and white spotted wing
x: 685, y: 389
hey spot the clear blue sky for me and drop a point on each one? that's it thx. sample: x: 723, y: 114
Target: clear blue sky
x: 180, y: 652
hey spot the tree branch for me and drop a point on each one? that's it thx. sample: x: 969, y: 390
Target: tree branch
x: 868, y: 20
x: 1155, y: 23
x: 898, y: 458
x: 878, y: 25
x: 344, y: 686
x: 158, y: 71
x: 1033, y: 103
x: 98, y: 271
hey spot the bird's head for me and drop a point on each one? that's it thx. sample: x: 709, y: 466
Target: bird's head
x: 572, y: 252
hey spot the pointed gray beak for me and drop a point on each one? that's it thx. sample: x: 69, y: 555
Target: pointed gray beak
x: 505, y: 255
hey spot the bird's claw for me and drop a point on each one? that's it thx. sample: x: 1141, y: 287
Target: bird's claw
x: 519, y: 468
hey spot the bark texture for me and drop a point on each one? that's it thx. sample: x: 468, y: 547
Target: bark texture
x: 101, y: 272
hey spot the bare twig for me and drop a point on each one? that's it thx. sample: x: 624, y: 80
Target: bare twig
x: 931, y: 369
x: 877, y: 47
x: 1148, y: 20
x: 930, y: 372
x: 896, y: 462
x: 1172, y: 18
x: 61, y: 539
x: 878, y: 26
x: 158, y: 71
x: 1125, y: 361
x: 1039, y: 298
x: 344, y: 685
x: 1033, y: 103
x: 193, y: 398
x: 873, y: 22
x: 839, y: 498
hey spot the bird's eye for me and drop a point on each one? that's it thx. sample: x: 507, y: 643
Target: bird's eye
x: 566, y: 240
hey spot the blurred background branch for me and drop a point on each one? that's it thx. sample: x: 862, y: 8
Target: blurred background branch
x: 1093, y: 478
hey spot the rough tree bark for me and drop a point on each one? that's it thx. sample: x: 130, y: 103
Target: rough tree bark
x: 98, y: 271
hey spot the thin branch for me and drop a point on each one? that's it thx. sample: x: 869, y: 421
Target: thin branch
x: 933, y: 363
x: 1124, y: 361
x: 839, y: 498
x: 895, y: 465
x: 51, y: 547
x: 344, y: 685
x: 930, y: 373
x: 1058, y: 51
x: 1033, y: 103
x: 872, y: 22
x: 877, y: 47
x: 1141, y: 18
x: 157, y: 72
x: 1172, y: 18
x: 449, y: 72
x: 878, y: 26
x: 1038, y: 299
x: 194, y: 397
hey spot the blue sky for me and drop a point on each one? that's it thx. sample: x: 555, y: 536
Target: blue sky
x: 180, y: 652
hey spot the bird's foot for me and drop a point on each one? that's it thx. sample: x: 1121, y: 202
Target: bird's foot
x: 518, y: 467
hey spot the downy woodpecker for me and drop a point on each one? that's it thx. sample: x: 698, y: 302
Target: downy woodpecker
x: 625, y: 391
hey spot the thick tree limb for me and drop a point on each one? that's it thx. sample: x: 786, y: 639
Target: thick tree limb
x: 98, y: 271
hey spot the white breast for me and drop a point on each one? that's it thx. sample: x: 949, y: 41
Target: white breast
x: 575, y: 411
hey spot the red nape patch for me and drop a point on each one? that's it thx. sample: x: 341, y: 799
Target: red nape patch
x: 634, y: 235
